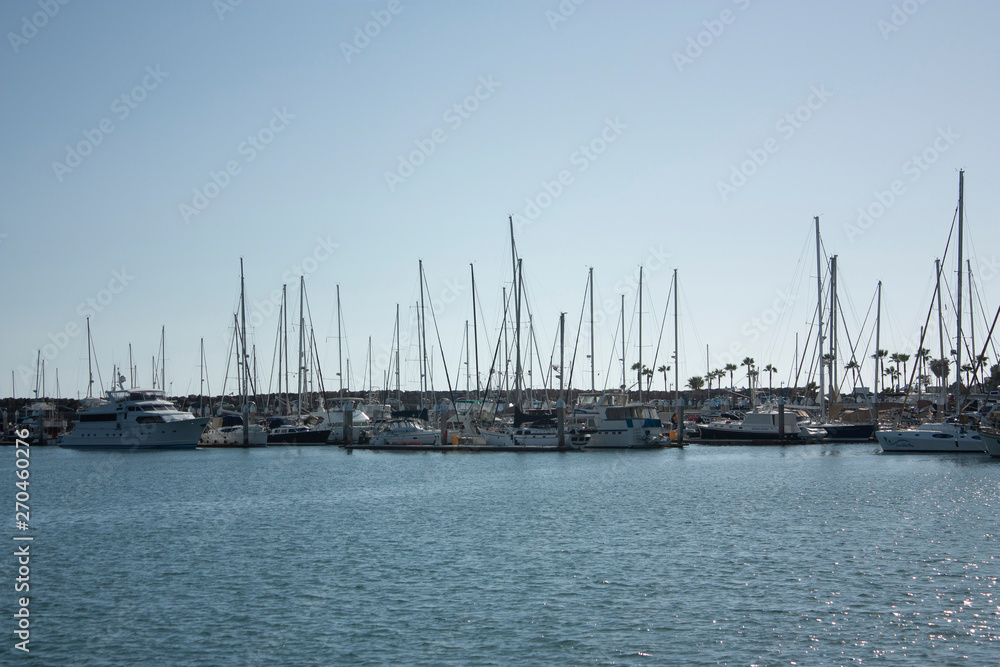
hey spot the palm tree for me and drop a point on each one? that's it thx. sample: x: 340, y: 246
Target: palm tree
x: 732, y: 389
x: 967, y: 369
x: 664, y: 369
x: 940, y: 368
x: 769, y: 369
x: 696, y: 382
x: 648, y: 373
x: 748, y: 362
x: 853, y: 366
x: 878, y: 357
x: 902, y: 359
x: 811, y: 390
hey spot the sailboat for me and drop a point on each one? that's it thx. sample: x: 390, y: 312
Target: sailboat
x: 236, y: 430
x: 950, y: 435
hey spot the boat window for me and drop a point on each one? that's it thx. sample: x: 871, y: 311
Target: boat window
x: 941, y: 435
x: 100, y: 417
x: 149, y: 419
x: 615, y: 413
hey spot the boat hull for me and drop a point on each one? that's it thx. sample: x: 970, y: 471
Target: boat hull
x: 183, y: 434
x: 849, y: 432
x: 735, y: 434
x: 930, y: 442
x: 991, y: 440
x: 312, y: 437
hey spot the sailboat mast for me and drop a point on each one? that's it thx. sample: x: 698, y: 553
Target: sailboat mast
x: 506, y: 347
x: 475, y: 329
x: 284, y: 327
x: 958, y: 305
x: 423, y: 336
x: 833, y: 328
x: 517, y: 332
x: 131, y: 375
x: 468, y: 366
x: 201, y: 373
x: 340, y: 348
x: 398, y: 392
x: 591, y: 288
x: 639, y: 371
x: 163, y: 359
x: 878, y: 336
x: 624, y: 381
x: 819, y: 315
x: 677, y: 360
x: 244, y: 410
x: 302, y: 340
x: 944, y: 376
x: 90, y: 367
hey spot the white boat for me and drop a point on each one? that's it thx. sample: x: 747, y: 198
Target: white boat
x: 948, y: 436
x: 227, y: 431
x: 534, y: 437
x: 613, y: 423
x: 991, y: 440
x: 135, y: 419
x: 760, y: 426
x: 399, y: 432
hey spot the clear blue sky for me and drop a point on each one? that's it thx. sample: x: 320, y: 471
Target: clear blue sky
x: 332, y: 115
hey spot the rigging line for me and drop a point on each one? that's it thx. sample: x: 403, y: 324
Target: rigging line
x: 850, y: 345
x: 576, y: 343
x: 444, y: 361
x: 805, y: 348
x: 982, y: 310
x: 663, y: 323
x: 533, y: 339
x: 614, y: 346
x: 315, y: 349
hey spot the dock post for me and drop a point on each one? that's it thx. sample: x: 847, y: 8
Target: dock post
x: 348, y: 412
x: 680, y: 422
x: 561, y: 420
x: 781, y: 418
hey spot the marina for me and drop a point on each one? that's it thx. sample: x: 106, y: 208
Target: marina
x: 569, y: 333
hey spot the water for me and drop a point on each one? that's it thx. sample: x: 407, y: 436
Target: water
x: 809, y: 555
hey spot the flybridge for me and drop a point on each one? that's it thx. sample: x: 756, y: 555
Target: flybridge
x: 136, y: 395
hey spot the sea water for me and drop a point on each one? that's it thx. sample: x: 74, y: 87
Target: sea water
x: 797, y: 555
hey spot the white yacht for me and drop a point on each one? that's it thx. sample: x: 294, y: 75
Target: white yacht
x: 227, y: 431
x: 613, y: 423
x: 760, y: 426
x: 991, y: 440
x: 534, y: 437
x: 948, y: 436
x: 401, y: 432
x: 135, y: 419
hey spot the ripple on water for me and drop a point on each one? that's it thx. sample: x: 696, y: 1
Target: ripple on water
x: 813, y: 555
